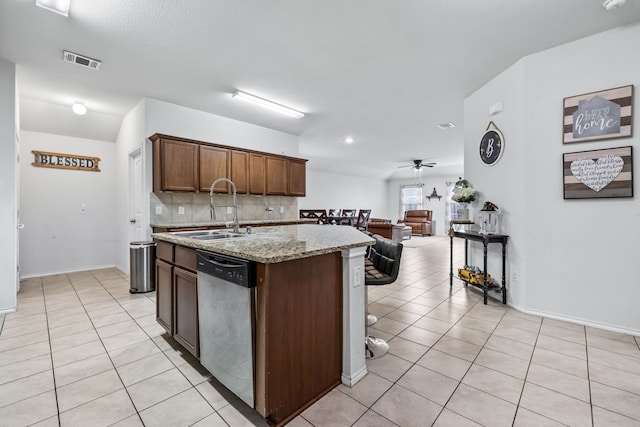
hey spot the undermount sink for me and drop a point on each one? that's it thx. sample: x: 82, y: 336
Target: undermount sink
x: 208, y: 234
x: 218, y: 236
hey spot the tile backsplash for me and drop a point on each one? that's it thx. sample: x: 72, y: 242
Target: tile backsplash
x: 187, y: 208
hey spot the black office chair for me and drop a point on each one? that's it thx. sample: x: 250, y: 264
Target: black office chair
x: 381, y: 266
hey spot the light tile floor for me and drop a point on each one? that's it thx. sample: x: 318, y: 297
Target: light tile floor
x: 82, y: 351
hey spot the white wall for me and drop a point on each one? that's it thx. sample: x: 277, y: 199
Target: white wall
x: 8, y: 256
x: 57, y: 236
x: 575, y: 257
x: 437, y: 207
x: 327, y: 190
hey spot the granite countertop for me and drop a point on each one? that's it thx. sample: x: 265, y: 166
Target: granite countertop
x: 269, y: 245
x: 218, y: 223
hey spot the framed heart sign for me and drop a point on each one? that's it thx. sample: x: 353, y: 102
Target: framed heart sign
x: 598, y: 173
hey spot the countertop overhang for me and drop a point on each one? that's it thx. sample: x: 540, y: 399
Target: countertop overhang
x: 274, y: 244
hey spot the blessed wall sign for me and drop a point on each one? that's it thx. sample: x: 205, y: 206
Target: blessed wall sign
x: 598, y: 173
x: 44, y: 159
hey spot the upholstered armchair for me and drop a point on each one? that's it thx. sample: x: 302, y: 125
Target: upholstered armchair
x: 419, y: 221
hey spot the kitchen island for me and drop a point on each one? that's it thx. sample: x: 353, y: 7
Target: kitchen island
x: 307, y: 309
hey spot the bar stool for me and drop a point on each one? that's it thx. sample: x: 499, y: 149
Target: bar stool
x: 382, y: 266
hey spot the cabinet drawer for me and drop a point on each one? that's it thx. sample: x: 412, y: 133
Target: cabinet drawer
x: 164, y: 251
x: 185, y: 257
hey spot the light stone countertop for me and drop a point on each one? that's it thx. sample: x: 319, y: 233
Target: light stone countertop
x: 273, y: 244
x: 219, y: 223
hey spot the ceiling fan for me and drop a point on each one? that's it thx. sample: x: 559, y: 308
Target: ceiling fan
x: 418, y: 164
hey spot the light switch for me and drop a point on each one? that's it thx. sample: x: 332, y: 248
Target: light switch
x: 158, y: 210
x: 180, y: 210
x: 229, y: 210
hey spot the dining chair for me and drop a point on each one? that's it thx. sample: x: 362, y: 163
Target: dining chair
x: 348, y: 215
x: 362, y: 223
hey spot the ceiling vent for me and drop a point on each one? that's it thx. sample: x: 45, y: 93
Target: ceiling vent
x: 83, y: 61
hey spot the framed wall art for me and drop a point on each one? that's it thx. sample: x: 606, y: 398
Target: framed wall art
x: 598, y: 173
x: 598, y: 115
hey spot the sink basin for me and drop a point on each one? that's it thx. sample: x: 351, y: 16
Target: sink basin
x: 217, y: 236
x: 209, y: 234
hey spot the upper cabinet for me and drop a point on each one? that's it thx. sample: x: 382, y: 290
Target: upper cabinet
x: 175, y: 165
x: 297, y: 178
x: 276, y: 172
x: 256, y: 173
x: 181, y: 164
x: 240, y: 170
x: 214, y: 164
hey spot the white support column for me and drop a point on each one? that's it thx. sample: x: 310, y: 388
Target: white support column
x: 354, y: 367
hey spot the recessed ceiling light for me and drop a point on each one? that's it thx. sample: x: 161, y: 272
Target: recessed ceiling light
x: 613, y: 4
x: 268, y: 104
x: 446, y: 125
x: 79, y: 109
x: 349, y: 140
x: 61, y: 7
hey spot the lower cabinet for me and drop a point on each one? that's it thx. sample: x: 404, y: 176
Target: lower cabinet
x: 164, y: 295
x: 177, y: 294
x: 185, y: 309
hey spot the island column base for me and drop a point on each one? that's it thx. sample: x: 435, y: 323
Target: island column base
x: 354, y: 367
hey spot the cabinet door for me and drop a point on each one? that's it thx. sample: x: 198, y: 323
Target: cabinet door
x: 164, y: 295
x: 185, y: 316
x: 240, y: 170
x: 256, y: 174
x: 178, y: 166
x: 297, y: 178
x: 214, y: 164
x: 276, y: 173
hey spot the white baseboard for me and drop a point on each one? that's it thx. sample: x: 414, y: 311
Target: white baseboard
x: 53, y: 273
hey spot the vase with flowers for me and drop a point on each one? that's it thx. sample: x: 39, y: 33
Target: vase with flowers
x: 463, y: 194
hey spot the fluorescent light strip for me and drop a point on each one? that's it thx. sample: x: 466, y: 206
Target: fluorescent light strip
x: 268, y: 104
x: 61, y: 7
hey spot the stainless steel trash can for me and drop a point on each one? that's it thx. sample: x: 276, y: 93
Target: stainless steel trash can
x: 142, y: 274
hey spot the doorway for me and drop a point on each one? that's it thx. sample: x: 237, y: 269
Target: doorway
x: 136, y: 193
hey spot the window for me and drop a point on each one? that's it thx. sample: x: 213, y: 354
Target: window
x: 410, y: 198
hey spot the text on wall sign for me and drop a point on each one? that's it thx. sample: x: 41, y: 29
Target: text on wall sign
x: 45, y: 159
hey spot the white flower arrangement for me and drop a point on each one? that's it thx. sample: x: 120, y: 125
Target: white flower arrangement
x: 463, y: 192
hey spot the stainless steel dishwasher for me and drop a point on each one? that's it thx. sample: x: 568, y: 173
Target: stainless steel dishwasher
x: 226, y: 312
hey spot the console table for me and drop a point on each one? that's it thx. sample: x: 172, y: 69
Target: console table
x: 485, y: 239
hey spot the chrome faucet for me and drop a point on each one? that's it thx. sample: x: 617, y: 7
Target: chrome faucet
x: 212, y: 211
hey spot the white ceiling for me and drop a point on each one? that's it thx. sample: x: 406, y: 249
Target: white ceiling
x: 382, y: 71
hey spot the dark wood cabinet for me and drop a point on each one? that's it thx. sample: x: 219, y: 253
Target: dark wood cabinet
x: 214, y: 164
x: 256, y: 173
x: 177, y: 294
x: 185, y: 309
x: 164, y: 295
x: 240, y: 170
x: 175, y: 165
x: 276, y: 176
x: 181, y: 164
x: 297, y: 178
x: 298, y: 334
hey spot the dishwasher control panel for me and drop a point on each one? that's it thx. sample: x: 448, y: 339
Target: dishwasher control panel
x: 229, y: 269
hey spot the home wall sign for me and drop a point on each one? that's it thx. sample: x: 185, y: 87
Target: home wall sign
x: 598, y: 173
x: 491, y: 145
x: 44, y: 159
x: 598, y: 115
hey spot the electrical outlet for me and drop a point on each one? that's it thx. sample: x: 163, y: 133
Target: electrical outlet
x: 515, y: 276
x: 180, y: 210
x: 229, y: 210
x: 83, y: 208
x: 158, y: 210
x: 281, y: 209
